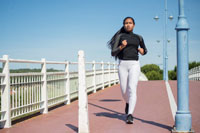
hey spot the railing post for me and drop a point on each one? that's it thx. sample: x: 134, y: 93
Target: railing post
x: 114, y: 74
x: 83, y: 122
x: 67, y: 84
x: 199, y: 73
x: 189, y: 74
x: 196, y: 73
x: 192, y: 74
x: 109, y: 64
x: 102, y: 76
x: 94, y: 78
x: 5, y: 101
x: 44, y: 88
x: 117, y: 76
x: 193, y: 77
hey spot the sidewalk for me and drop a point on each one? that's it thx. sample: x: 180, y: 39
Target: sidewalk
x: 106, y: 113
x: 194, y: 99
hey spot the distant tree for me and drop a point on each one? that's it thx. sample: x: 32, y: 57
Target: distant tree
x: 26, y: 70
x: 193, y: 64
x: 175, y: 68
x: 172, y: 75
x: 161, y: 72
x: 154, y: 75
x: 152, y: 72
x: 53, y: 70
x: 150, y: 67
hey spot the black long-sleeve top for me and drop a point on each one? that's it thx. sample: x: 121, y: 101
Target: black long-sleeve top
x: 130, y: 52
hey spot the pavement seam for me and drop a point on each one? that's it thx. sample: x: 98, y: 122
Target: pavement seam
x: 172, y: 102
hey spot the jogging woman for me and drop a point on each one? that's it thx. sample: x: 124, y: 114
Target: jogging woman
x: 125, y: 46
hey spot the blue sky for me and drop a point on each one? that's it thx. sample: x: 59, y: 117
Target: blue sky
x: 57, y: 29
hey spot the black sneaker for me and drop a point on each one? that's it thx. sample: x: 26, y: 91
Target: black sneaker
x: 126, y: 108
x: 129, y: 119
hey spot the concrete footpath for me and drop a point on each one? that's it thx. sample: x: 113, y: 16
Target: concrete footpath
x: 106, y: 113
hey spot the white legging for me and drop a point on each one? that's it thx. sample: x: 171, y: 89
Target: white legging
x: 129, y: 71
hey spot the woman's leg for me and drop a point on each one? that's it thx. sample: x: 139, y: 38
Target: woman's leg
x: 133, y: 76
x: 123, y: 78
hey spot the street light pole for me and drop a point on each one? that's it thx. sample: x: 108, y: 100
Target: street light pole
x: 183, y: 118
x: 165, y: 40
x: 165, y: 63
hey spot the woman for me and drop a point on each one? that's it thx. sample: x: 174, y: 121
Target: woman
x: 125, y: 47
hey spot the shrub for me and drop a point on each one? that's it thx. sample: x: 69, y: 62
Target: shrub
x: 172, y: 75
x: 154, y: 75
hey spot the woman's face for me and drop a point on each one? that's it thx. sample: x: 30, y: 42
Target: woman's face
x: 129, y: 25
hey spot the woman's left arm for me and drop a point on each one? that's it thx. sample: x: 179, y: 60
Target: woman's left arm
x: 142, y: 49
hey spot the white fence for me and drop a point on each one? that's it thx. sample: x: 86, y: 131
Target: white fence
x: 25, y: 93
x: 194, y: 73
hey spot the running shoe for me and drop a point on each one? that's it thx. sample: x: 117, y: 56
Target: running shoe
x: 129, y: 119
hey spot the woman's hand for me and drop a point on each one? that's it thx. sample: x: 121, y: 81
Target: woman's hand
x: 124, y: 43
x: 141, y: 50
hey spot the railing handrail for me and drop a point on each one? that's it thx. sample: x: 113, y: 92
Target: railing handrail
x: 53, y: 62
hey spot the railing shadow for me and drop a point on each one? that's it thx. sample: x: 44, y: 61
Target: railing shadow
x: 121, y: 116
x: 34, y: 114
x: 23, y: 118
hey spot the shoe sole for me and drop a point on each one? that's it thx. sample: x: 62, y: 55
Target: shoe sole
x: 129, y: 122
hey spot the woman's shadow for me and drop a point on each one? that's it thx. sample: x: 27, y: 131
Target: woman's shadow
x: 114, y: 114
x: 121, y: 116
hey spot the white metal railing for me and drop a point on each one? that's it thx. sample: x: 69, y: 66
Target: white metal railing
x: 194, y: 73
x: 24, y: 93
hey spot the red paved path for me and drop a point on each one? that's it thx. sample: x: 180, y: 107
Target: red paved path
x: 194, y: 100
x: 106, y: 113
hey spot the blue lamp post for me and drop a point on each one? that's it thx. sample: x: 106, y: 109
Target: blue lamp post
x: 165, y: 56
x: 183, y: 118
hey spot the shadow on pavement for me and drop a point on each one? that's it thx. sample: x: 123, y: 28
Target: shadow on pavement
x: 106, y: 109
x: 154, y: 123
x: 111, y: 115
x: 121, y: 116
x: 74, y: 128
x: 110, y: 100
x: 115, y: 114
